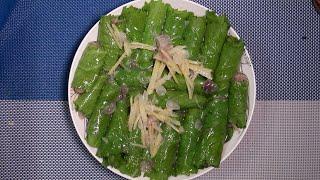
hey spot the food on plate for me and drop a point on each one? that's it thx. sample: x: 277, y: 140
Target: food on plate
x: 154, y: 23
x: 100, y: 119
x: 176, y: 22
x: 215, y: 35
x: 89, y: 68
x: 238, y: 97
x: 162, y: 90
x: 194, y: 35
x: 192, y: 126
x: 213, y: 133
x: 86, y: 102
x: 228, y: 63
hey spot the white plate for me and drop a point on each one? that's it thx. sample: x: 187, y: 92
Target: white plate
x: 247, y: 68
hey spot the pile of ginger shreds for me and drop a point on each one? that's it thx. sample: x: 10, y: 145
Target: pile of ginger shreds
x: 144, y: 115
x: 148, y: 118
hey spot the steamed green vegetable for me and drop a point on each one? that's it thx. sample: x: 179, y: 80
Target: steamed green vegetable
x: 214, y: 133
x: 134, y: 155
x: 86, y: 102
x: 192, y: 125
x: 117, y: 136
x: 181, y: 98
x: 228, y: 64
x: 154, y: 24
x: 215, y: 35
x: 113, y: 160
x: 238, y: 95
x: 175, y: 25
x: 193, y: 36
x: 140, y: 79
x: 100, y: 120
x: 158, y: 111
x: 104, y: 36
x: 107, y: 42
x: 135, y: 21
x: 199, y: 85
x: 134, y: 78
x: 166, y: 156
x: 89, y: 68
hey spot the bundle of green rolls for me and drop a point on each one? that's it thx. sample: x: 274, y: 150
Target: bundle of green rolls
x: 208, y: 119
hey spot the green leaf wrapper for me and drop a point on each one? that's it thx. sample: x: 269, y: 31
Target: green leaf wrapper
x: 108, y: 43
x: 166, y: 155
x: 86, y: 102
x: 214, y: 133
x: 135, y: 21
x: 89, y: 67
x: 181, y: 98
x: 113, y: 145
x: 238, y: 97
x: 215, y: 35
x: 228, y: 64
x: 194, y: 34
x: 175, y: 25
x: 99, y: 121
x: 188, y: 143
x: 154, y: 24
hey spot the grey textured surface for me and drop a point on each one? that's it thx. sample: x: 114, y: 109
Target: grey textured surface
x: 38, y: 141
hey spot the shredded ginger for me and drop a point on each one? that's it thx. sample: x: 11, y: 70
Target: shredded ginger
x: 148, y: 118
x: 176, y: 60
x: 122, y: 42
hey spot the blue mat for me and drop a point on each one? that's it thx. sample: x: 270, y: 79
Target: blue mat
x: 38, y: 40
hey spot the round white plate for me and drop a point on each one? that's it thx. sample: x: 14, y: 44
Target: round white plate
x: 247, y: 68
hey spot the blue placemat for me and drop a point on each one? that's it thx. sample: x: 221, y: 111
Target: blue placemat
x: 38, y: 39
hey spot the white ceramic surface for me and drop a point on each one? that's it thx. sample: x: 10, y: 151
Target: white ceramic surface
x: 247, y: 68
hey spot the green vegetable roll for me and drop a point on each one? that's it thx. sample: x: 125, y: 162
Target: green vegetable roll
x: 118, y: 132
x: 228, y: 64
x: 134, y: 155
x: 154, y: 23
x: 134, y: 78
x: 181, y: 98
x: 192, y: 125
x: 107, y: 42
x: 89, y: 68
x: 166, y: 155
x: 115, y: 161
x: 202, y: 85
x: 238, y: 96
x: 215, y: 35
x: 99, y: 120
x: 104, y: 36
x: 86, y: 102
x: 214, y: 134
x: 194, y: 35
x: 102, y: 151
x: 116, y: 138
x: 175, y: 25
x: 135, y: 21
